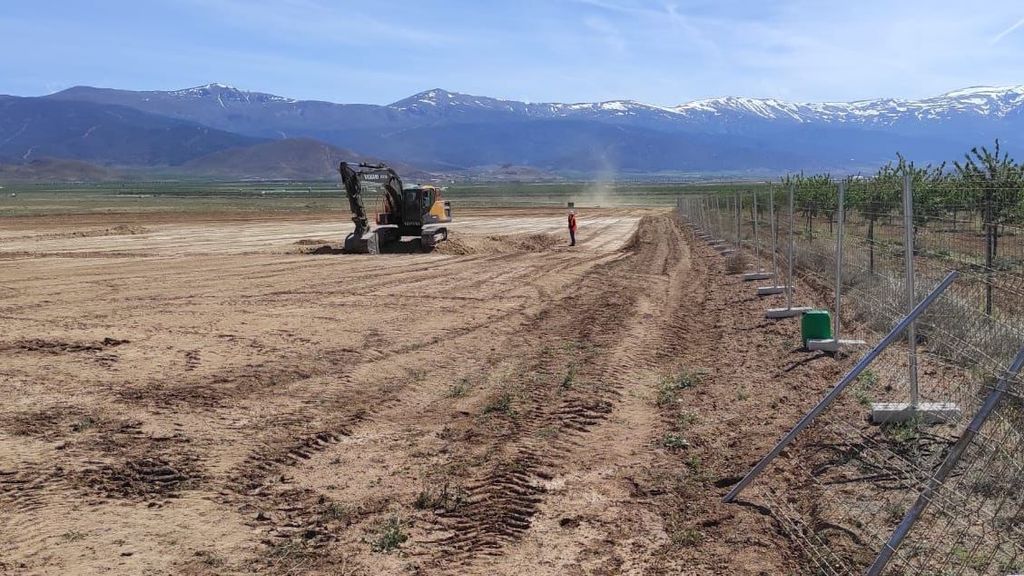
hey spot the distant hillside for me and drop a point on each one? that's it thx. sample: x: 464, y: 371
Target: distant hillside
x: 111, y: 135
x: 57, y: 170
x: 291, y: 159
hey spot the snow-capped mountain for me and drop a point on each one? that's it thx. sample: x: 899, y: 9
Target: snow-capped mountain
x: 442, y: 129
x: 225, y: 94
x: 980, y: 101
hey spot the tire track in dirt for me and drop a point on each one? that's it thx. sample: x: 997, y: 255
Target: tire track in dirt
x: 501, y: 504
x: 750, y: 390
x: 250, y: 425
x: 260, y: 484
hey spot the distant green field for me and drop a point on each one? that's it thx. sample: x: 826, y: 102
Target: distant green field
x: 312, y: 197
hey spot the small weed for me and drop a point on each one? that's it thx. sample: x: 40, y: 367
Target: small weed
x: 570, y: 377
x: 969, y: 558
x: 685, y: 419
x: 669, y: 386
x: 336, y: 511
x: 450, y: 498
x: 695, y: 465
x: 862, y: 396
x: 896, y: 512
x: 687, y: 537
x: 417, y: 374
x: 903, y: 432
x: 548, y: 432
x: 291, y: 549
x: 674, y: 442
x: 868, y: 378
x: 211, y: 559
x: 1012, y: 566
x: 502, y: 403
x: 72, y: 536
x: 390, y: 536
x: 459, y: 389
x: 742, y: 394
x: 424, y: 500
x: 571, y: 345
x: 84, y: 424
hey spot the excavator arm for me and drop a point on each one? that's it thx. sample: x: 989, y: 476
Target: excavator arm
x: 352, y: 179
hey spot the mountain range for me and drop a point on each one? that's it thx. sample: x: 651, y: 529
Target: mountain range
x: 222, y: 132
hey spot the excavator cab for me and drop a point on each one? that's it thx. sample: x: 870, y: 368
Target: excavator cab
x: 413, y: 211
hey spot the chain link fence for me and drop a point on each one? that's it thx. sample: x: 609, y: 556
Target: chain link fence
x: 847, y: 483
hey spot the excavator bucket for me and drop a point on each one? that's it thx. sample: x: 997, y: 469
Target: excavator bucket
x: 368, y: 243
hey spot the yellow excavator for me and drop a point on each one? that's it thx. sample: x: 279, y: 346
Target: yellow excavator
x: 417, y: 211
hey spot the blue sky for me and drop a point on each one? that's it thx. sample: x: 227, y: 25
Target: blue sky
x: 657, y: 51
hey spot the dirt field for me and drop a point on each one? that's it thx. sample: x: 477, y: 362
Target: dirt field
x: 202, y: 396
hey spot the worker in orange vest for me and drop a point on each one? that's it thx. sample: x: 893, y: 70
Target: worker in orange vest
x: 572, y: 227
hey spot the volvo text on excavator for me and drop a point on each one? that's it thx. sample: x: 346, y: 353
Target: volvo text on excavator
x: 414, y: 211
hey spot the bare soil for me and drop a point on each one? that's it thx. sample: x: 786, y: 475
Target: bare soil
x: 205, y: 397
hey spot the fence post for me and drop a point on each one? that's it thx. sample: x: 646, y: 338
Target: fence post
x: 753, y: 218
x: 841, y: 216
x: 792, y: 243
x: 908, y: 223
x: 775, y: 232
x: 829, y: 398
x: 739, y: 218
x: 720, y: 228
x: 990, y: 246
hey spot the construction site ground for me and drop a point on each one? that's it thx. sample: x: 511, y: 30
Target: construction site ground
x: 203, y: 394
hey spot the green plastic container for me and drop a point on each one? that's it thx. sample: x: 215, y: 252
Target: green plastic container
x: 816, y: 325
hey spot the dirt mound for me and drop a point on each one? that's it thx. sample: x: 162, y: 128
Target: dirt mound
x: 324, y: 249
x: 118, y: 230
x: 461, y: 245
x: 311, y: 242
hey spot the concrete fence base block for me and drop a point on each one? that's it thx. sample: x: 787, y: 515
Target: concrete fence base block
x: 925, y: 412
x: 769, y: 290
x: 751, y: 276
x: 786, y: 312
x: 832, y: 345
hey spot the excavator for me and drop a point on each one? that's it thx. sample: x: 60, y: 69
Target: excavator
x: 414, y: 211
